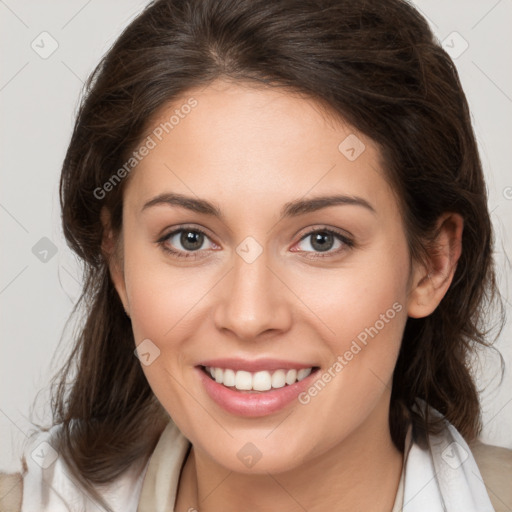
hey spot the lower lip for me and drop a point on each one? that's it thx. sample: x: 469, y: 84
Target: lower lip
x: 253, y: 404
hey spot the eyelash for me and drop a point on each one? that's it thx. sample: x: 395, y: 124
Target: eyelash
x: 347, y: 242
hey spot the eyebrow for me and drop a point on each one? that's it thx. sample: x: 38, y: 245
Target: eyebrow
x: 290, y: 209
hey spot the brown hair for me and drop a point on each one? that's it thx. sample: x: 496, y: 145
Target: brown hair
x: 375, y: 64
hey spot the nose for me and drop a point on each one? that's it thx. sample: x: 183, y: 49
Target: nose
x: 253, y: 301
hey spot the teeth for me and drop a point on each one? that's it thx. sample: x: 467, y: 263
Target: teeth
x: 229, y: 378
x: 303, y: 373
x: 243, y: 380
x: 257, y: 381
x: 261, y: 381
x: 278, y: 379
x: 291, y: 376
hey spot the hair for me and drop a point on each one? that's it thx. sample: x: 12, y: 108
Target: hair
x: 375, y: 65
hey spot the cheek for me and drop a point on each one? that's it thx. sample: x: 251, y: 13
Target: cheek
x: 361, y: 301
x: 365, y: 310
x: 162, y: 300
x: 161, y: 296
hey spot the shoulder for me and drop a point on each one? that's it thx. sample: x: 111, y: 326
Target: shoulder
x: 36, y: 457
x: 11, y: 492
x: 495, y: 464
x: 46, y: 483
x: 470, y: 475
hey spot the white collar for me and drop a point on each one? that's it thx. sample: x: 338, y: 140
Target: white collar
x: 441, y: 478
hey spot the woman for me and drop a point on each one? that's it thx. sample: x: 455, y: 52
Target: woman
x: 281, y: 208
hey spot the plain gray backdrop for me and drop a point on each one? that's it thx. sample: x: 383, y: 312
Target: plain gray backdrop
x: 48, y: 50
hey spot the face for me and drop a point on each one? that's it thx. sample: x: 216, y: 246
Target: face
x: 234, y: 260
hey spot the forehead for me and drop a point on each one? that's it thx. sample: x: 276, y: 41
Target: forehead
x: 239, y: 143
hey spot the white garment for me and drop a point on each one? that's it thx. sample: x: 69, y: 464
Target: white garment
x: 49, y: 487
x: 444, y: 478
x: 162, y: 476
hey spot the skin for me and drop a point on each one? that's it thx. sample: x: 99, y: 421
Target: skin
x: 250, y: 150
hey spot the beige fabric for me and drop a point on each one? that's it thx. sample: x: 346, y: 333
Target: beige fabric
x: 495, y: 464
x: 162, y: 476
x: 11, y: 489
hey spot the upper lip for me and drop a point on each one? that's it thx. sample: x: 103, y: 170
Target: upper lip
x: 254, y: 365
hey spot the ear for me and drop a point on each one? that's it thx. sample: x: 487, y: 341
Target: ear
x: 111, y: 247
x: 430, y: 282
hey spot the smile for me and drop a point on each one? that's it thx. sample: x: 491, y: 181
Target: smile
x: 254, y: 388
x: 256, y: 381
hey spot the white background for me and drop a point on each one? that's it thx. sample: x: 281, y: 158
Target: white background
x: 38, y: 100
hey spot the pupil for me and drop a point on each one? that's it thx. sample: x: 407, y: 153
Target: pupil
x: 191, y: 240
x: 323, y: 240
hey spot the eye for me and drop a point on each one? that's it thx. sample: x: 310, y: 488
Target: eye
x: 324, y: 240
x: 190, y: 239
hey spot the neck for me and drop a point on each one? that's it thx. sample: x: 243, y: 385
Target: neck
x: 360, y: 473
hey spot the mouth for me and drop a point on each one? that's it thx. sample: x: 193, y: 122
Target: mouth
x: 254, y: 388
x: 259, y: 381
